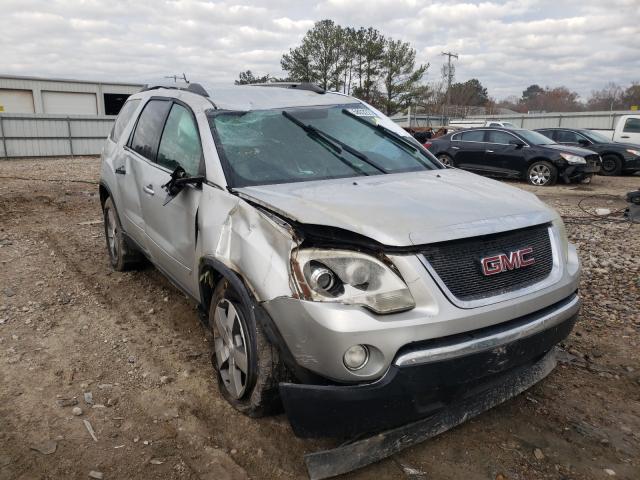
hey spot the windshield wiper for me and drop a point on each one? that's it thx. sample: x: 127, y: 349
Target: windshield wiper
x: 336, y: 144
x: 395, y: 138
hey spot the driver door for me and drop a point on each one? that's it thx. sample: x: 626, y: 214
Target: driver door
x: 171, y: 226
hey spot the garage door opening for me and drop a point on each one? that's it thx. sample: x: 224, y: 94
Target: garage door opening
x: 113, y: 102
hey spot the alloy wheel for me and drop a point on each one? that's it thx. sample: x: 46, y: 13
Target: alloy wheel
x: 230, y: 344
x: 608, y: 164
x: 111, y: 234
x: 445, y: 160
x: 540, y: 174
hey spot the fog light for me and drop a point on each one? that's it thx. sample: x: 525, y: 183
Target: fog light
x: 356, y: 357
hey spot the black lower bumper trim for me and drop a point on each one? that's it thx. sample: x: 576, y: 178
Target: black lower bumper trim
x: 330, y: 463
x: 406, y: 394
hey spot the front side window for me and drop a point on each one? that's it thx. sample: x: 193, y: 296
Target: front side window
x: 126, y: 112
x: 566, y: 136
x: 180, y: 143
x: 497, y: 136
x: 632, y: 125
x: 149, y: 128
x: 535, y: 138
x: 294, y: 145
x: 473, y: 136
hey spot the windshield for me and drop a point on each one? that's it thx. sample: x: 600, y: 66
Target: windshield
x: 534, y: 138
x: 595, y: 137
x: 316, y: 143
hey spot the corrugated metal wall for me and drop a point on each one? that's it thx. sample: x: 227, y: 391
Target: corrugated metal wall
x: 52, y: 135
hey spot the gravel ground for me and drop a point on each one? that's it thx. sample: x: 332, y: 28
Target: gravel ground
x: 85, y: 351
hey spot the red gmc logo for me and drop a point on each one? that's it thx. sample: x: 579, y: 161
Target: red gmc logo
x: 503, y: 262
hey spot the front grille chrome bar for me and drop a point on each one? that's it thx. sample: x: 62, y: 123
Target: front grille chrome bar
x: 491, y: 341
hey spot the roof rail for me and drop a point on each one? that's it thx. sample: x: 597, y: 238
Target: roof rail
x: 189, y: 87
x: 312, y: 87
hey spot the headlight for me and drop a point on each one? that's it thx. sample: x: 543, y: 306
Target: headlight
x: 349, y: 277
x: 634, y: 152
x: 573, y: 159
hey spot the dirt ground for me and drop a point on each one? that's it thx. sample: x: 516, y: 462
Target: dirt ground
x: 128, y: 350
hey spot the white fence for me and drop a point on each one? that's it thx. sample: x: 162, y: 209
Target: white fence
x: 38, y: 135
x: 531, y: 121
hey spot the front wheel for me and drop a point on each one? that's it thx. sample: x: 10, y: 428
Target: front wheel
x: 542, y: 174
x: 247, y: 366
x: 611, y: 165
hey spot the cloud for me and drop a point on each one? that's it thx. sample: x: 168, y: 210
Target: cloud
x: 508, y: 45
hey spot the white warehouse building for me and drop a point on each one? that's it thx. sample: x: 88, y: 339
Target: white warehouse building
x: 57, y: 96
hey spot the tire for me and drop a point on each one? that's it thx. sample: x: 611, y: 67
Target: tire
x: 253, y: 392
x: 121, y: 255
x: 542, y: 174
x: 611, y: 165
x: 446, y: 159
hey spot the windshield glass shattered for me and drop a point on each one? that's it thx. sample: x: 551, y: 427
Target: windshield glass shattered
x: 315, y: 143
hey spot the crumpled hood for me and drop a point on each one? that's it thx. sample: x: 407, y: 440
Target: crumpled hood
x: 409, y: 208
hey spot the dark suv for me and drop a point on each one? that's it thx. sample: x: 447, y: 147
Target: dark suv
x: 515, y: 153
x: 617, y: 158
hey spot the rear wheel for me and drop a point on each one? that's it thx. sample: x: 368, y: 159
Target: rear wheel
x: 542, y: 174
x: 247, y: 366
x: 611, y: 165
x: 121, y: 255
x: 446, y: 160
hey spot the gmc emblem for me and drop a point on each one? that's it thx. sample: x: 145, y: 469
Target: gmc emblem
x: 503, y: 262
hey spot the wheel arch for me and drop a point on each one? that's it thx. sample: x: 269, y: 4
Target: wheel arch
x: 222, y: 272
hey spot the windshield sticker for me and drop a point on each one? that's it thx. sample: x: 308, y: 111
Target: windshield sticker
x: 361, y: 112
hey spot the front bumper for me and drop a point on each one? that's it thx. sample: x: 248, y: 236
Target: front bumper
x: 426, y: 377
x: 579, y: 172
x: 631, y: 164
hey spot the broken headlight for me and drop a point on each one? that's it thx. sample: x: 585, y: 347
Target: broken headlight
x: 351, y: 278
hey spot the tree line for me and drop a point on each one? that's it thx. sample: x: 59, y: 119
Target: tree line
x: 385, y: 73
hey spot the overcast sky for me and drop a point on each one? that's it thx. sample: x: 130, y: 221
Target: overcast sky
x: 582, y: 44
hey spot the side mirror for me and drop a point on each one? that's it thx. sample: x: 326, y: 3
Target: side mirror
x: 584, y: 142
x: 517, y: 143
x: 179, y: 180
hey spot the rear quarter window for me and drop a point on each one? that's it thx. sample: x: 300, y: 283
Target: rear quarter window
x: 126, y: 112
x: 632, y: 125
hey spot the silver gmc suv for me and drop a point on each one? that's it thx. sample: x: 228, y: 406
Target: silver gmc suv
x: 343, y: 272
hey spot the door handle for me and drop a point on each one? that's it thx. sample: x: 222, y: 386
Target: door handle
x: 148, y: 189
x: 624, y: 136
x: 489, y: 151
x: 455, y: 148
x: 121, y: 170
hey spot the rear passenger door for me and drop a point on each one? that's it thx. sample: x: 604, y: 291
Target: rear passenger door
x: 171, y: 227
x: 470, y: 154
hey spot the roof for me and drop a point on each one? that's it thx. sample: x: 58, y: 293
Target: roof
x: 68, y: 80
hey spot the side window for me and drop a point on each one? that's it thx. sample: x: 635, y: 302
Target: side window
x: 548, y: 133
x: 473, y: 136
x: 632, y: 125
x: 565, y: 136
x: 126, y: 112
x: 496, y: 136
x: 180, y: 143
x: 149, y: 128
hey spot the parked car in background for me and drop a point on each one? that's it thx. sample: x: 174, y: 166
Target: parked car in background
x: 627, y: 130
x: 617, y: 158
x: 515, y: 153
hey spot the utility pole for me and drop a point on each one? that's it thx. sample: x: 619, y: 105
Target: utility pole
x: 449, y: 76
